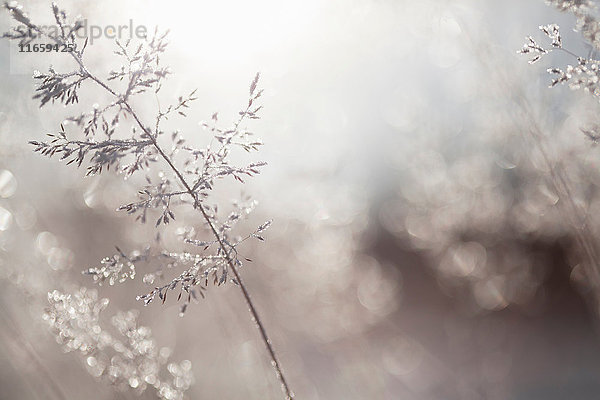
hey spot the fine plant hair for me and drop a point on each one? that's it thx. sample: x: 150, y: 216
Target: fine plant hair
x: 189, y: 177
x: 583, y: 75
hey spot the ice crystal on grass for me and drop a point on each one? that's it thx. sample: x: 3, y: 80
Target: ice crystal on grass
x: 116, y: 268
x: 585, y: 73
x: 552, y: 31
x: 127, y: 358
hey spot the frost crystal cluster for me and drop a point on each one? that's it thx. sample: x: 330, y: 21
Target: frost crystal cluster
x: 585, y: 74
x: 129, y: 358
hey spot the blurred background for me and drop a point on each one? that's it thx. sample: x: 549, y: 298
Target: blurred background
x: 419, y: 249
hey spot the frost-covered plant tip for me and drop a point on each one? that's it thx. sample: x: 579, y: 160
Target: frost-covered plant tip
x: 177, y: 175
x: 585, y: 74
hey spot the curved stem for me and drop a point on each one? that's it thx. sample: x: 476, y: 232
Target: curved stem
x: 265, y: 338
x: 253, y: 310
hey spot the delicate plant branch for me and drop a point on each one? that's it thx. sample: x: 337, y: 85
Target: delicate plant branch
x: 224, y: 248
x: 142, y: 73
x: 585, y: 76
